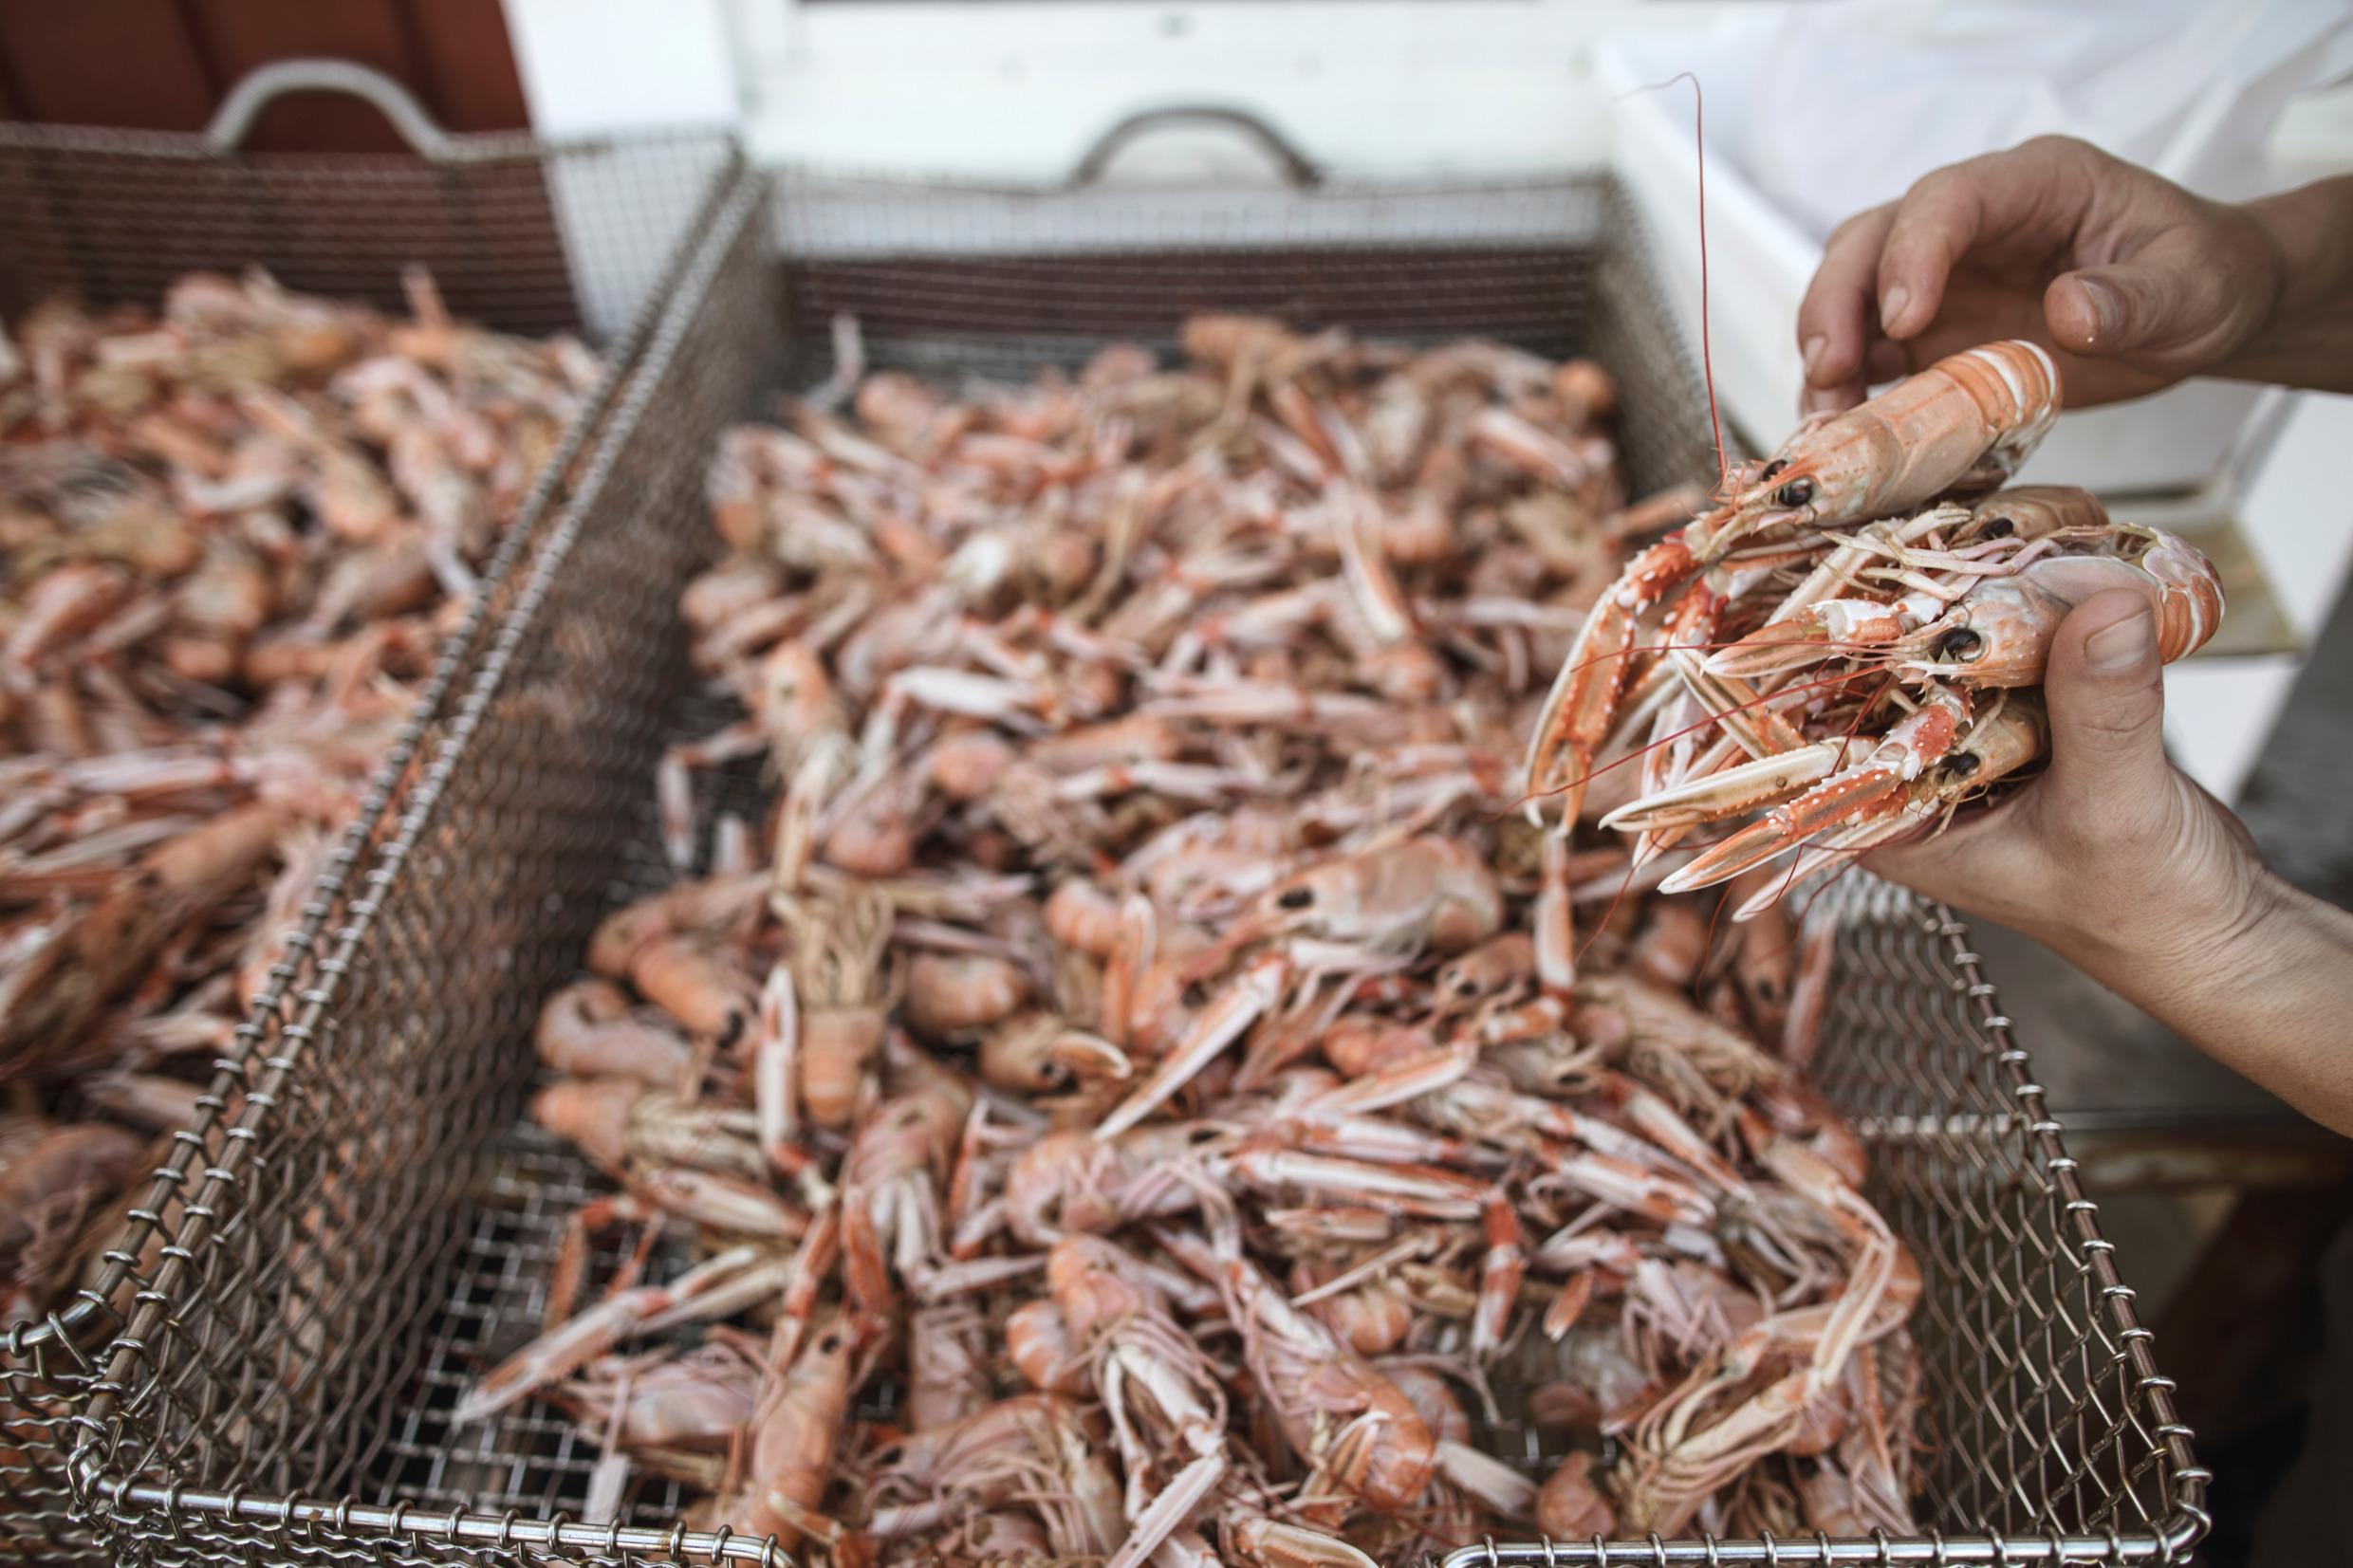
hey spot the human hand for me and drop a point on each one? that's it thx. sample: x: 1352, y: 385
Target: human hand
x: 2114, y: 857
x: 2118, y: 863
x: 2132, y: 281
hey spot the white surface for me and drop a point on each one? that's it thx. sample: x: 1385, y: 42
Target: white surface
x: 2219, y: 713
x: 1021, y: 88
x: 598, y: 65
x: 2190, y: 89
x: 2315, y: 135
x: 613, y: 65
x: 1374, y: 87
x: 2297, y: 509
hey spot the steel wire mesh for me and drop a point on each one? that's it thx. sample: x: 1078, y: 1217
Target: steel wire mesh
x: 524, y: 235
x: 355, y: 1274
x: 111, y: 217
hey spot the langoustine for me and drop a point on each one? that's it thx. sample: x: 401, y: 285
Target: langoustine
x: 1852, y: 641
x: 235, y: 526
x: 1206, y: 987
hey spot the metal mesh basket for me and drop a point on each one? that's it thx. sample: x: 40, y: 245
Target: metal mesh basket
x: 377, y: 1226
x: 505, y: 224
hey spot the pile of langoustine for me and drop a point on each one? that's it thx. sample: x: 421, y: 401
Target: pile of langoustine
x: 1144, y: 1050
x: 231, y: 532
x: 1851, y: 643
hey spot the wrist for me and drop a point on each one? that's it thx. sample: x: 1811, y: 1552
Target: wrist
x: 2306, y: 274
x: 2173, y: 951
x: 2266, y: 994
x: 2142, y: 934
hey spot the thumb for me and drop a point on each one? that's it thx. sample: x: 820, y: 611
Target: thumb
x: 2106, y: 696
x: 2152, y: 303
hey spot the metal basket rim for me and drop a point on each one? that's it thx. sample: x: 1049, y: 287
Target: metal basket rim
x: 60, y: 1327
x: 1337, y: 184
x: 2170, y: 1538
x: 460, y: 147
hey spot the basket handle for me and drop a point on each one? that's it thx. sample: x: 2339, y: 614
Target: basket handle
x: 1298, y: 169
x: 260, y: 88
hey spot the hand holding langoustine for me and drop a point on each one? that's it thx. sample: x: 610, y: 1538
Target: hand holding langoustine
x: 1965, y: 423
x: 1890, y: 680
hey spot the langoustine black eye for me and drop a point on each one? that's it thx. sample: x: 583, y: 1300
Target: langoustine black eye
x: 1962, y: 764
x: 1295, y: 898
x: 1796, y: 494
x: 1961, y: 646
x: 1999, y: 527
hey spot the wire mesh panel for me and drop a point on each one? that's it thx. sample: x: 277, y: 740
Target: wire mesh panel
x: 286, y: 1390
x: 108, y: 217
x: 525, y: 236
x: 2051, y: 1416
x: 2049, y: 1434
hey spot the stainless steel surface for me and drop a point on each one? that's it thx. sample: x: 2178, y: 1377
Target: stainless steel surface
x: 112, y: 217
x: 519, y: 233
x: 376, y: 1227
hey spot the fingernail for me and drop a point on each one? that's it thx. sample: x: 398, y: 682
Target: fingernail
x: 1812, y: 401
x: 1891, y: 306
x: 2126, y: 645
x: 2107, y: 308
x: 1812, y: 350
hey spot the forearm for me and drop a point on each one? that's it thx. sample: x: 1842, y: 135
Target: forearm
x: 2266, y: 992
x: 2308, y: 341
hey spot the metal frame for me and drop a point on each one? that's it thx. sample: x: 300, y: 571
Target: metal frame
x: 2175, y: 1535
x: 121, y: 1436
